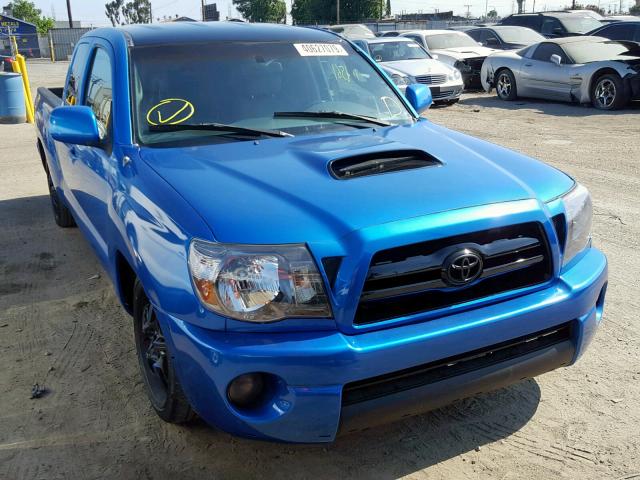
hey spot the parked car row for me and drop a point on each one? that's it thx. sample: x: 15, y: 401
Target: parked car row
x: 518, y: 61
x: 583, y: 69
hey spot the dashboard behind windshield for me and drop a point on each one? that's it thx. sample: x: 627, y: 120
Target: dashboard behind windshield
x: 245, y: 83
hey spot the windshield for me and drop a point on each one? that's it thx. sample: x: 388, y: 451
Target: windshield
x: 449, y: 40
x: 585, y: 52
x: 520, y: 35
x: 578, y: 24
x: 394, y: 51
x: 244, y: 84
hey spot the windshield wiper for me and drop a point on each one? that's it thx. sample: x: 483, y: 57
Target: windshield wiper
x: 219, y: 127
x: 332, y: 114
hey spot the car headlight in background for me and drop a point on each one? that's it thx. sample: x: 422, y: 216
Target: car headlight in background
x: 579, y: 214
x: 400, y: 80
x: 257, y: 283
x: 454, y: 75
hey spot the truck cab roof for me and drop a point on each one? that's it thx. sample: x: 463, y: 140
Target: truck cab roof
x: 203, y: 32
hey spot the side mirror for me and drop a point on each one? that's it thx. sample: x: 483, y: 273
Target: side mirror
x: 492, y: 41
x: 557, y: 59
x: 558, y: 31
x: 419, y: 96
x: 77, y: 125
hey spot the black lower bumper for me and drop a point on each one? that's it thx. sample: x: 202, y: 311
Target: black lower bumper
x: 371, y: 404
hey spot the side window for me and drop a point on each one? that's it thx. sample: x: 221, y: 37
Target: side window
x: 551, y: 26
x: 619, y: 32
x: 72, y: 88
x: 491, y: 40
x: 545, y: 50
x: 99, y: 90
x: 477, y: 35
x: 417, y: 38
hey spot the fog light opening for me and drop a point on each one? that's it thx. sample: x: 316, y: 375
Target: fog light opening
x: 248, y: 391
x: 600, y: 303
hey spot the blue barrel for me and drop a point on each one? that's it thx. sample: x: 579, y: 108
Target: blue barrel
x: 12, y: 108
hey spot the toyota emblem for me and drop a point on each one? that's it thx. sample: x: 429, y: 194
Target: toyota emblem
x: 462, y: 267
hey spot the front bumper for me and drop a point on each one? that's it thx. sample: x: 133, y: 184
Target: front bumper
x: 312, y: 368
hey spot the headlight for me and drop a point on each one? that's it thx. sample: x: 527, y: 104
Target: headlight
x: 455, y: 74
x: 579, y: 213
x: 257, y: 283
x: 400, y: 80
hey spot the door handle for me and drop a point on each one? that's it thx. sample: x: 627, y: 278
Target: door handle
x: 73, y: 151
x: 528, y: 64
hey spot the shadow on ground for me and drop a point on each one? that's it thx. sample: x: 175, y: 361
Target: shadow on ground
x: 546, y: 107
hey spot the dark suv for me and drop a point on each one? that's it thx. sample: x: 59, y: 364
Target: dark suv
x: 554, y: 24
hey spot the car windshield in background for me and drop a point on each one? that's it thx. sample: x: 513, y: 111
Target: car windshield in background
x: 585, y: 52
x: 519, y: 35
x: 450, y: 40
x: 580, y: 24
x: 230, y: 91
x: 394, y: 51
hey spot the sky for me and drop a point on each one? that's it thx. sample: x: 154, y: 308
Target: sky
x: 91, y: 12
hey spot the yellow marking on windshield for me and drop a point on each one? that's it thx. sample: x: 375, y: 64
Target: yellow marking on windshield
x: 177, y: 109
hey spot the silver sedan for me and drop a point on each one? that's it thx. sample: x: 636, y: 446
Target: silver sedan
x: 586, y: 69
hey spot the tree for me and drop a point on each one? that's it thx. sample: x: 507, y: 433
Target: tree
x: 492, y: 14
x: 578, y: 6
x: 112, y: 11
x: 635, y: 10
x: 135, y: 11
x: 305, y: 12
x: 266, y: 11
x: 387, y: 11
x: 27, y: 11
x: 520, y: 6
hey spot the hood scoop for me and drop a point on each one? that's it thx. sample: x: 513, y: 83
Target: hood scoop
x: 376, y: 163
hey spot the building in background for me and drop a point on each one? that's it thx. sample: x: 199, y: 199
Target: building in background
x: 26, y: 36
x: 210, y: 13
x: 65, y: 24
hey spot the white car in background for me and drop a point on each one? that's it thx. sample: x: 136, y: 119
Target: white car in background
x: 456, y: 49
x: 406, y: 62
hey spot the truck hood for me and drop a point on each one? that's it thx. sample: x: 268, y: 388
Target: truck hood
x: 280, y: 190
x: 462, y: 53
x: 419, y: 67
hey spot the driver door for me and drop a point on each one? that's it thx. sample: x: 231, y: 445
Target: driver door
x: 545, y: 79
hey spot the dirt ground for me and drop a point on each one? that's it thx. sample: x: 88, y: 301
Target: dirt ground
x: 61, y: 326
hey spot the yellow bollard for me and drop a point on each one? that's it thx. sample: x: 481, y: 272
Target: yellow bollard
x: 53, y: 52
x: 20, y: 66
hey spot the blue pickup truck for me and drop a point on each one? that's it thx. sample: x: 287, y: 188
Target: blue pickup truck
x: 302, y: 254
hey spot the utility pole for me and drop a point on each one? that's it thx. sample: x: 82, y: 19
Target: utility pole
x: 468, y: 12
x: 202, y: 9
x: 337, y: 11
x: 573, y: 5
x: 69, y: 13
x: 486, y: 9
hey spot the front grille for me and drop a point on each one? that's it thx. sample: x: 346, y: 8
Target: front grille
x: 411, y: 279
x: 422, y: 375
x: 431, y: 79
x: 442, y: 94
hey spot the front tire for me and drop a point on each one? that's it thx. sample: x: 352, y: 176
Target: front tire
x: 61, y: 214
x: 156, y: 364
x: 506, y: 85
x: 607, y: 92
